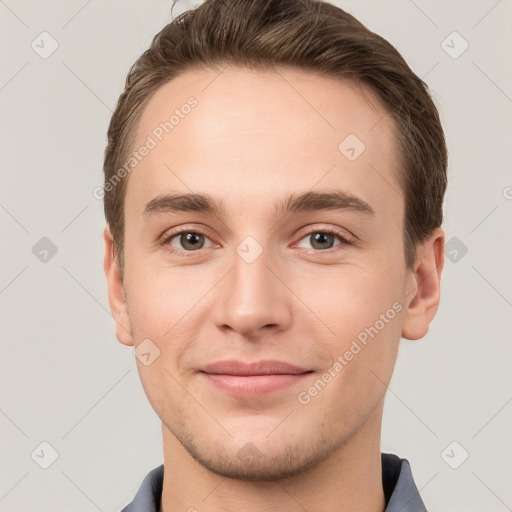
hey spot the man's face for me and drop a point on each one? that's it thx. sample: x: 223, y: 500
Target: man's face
x: 254, y: 282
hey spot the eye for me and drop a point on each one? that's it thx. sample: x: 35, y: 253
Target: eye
x: 323, y: 239
x: 192, y: 240
x: 186, y: 240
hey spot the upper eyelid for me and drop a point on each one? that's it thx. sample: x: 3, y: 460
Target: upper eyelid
x: 336, y: 231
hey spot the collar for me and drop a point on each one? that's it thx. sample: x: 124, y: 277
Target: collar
x: 400, y: 491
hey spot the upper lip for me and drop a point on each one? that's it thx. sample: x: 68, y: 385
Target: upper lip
x: 267, y: 367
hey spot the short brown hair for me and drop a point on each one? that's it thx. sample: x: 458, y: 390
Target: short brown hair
x: 308, y: 35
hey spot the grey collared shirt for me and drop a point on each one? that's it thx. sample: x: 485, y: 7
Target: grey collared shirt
x: 399, y: 488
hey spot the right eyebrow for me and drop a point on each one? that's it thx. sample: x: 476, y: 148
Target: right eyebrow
x: 172, y: 203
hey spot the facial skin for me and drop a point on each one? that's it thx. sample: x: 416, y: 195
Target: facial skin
x: 253, y: 140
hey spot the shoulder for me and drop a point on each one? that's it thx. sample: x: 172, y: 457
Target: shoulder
x: 149, y: 494
x: 399, y: 487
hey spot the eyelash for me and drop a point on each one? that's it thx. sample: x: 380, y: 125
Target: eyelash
x: 198, y: 231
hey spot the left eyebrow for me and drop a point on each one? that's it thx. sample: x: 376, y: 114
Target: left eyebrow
x: 309, y: 201
x: 336, y: 200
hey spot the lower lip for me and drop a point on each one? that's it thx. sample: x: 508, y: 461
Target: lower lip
x: 253, y: 385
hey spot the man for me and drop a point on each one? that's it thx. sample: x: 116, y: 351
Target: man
x: 274, y: 180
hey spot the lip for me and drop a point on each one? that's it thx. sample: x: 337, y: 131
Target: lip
x: 239, y: 378
x: 242, y: 368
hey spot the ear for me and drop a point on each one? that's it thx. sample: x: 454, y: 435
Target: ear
x: 116, y: 295
x: 424, y: 287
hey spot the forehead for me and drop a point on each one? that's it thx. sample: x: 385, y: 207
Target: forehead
x: 260, y: 133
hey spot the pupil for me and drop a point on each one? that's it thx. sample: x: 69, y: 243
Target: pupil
x: 322, y: 238
x: 190, y: 239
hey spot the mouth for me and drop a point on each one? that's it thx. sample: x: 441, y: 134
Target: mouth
x: 239, y: 378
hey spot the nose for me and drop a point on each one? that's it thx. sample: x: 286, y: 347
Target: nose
x: 253, y: 298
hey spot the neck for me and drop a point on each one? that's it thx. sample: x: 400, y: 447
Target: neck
x: 350, y: 479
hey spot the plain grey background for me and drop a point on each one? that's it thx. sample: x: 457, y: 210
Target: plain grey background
x: 65, y: 379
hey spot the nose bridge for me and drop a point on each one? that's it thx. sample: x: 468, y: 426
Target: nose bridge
x: 251, y: 275
x: 251, y: 296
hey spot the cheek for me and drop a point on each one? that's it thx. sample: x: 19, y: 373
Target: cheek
x: 159, y: 305
x: 162, y: 298
x: 350, y: 298
x: 362, y: 358
x: 363, y: 311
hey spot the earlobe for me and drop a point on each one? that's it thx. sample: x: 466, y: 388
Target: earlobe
x: 424, y: 287
x: 116, y: 295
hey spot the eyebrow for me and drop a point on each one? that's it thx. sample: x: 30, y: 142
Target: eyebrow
x: 309, y: 201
